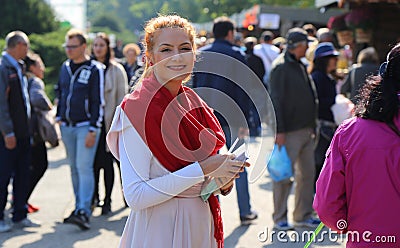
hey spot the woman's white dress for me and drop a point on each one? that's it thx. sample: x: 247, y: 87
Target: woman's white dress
x: 166, y: 209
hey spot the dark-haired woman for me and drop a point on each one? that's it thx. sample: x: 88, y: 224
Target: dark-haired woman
x: 115, y: 88
x: 323, y: 69
x: 39, y: 101
x: 359, y: 187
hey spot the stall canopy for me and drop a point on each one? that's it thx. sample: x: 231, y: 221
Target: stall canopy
x: 324, y: 3
x: 340, y: 3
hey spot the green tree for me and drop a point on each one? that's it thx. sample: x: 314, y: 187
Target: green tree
x: 133, y: 14
x: 49, y: 47
x: 109, y: 21
x: 30, y: 16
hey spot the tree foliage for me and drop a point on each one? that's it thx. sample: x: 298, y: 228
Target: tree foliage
x: 133, y: 14
x: 109, y: 21
x: 30, y: 16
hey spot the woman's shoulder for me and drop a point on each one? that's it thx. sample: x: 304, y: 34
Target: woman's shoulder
x: 116, y: 64
x: 319, y: 75
x: 364, y: 132
x: 36, y: 83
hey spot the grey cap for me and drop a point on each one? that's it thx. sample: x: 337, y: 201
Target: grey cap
x: 296, y: 35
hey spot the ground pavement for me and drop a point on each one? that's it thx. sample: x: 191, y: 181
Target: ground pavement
x: 54, y: 196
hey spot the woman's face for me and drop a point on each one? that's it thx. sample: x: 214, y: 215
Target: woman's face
x: 172, y: 56
x: 131, y: 56
x: 100, y: 49
x: 38, y: 69
x: 332, y: 64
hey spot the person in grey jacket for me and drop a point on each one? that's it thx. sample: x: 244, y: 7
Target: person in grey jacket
x: 367, y: 64
x: 39, y: 102
x: 15, y: 111
x: 294, y: 98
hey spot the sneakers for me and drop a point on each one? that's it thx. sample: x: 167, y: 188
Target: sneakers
x: 80, y: 219
x: 247, y: 219
x: 68, y: 219
x: 310, y: 222
x: 4, y: 227
x: 283, y: 226
x: 26, y: 223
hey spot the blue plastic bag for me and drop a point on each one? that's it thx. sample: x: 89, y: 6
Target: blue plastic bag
x: 279, y: 165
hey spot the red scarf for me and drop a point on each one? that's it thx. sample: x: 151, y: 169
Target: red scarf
x: 178, y: 130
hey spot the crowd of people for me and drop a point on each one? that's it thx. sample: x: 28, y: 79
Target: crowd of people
x: 166, y: 137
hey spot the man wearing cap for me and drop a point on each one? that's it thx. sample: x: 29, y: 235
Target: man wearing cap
x: 295, y: 102
x: 323, y: 69
x: 267, y: 52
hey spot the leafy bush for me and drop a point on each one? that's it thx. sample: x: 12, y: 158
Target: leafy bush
x: 49, y: 47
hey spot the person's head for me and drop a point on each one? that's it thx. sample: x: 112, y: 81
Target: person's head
x: 224, y: 28
x: 266, y: 37
x: 379, y: 99
x: 297, y: 42
x: 325, y: 58
x: 324, y: 35
x: 119, y: 43
x: 17, y: 44
x: 238, y: 39
x: 249, y: 43
x: 101, y: 49
x: 169, y: 48
x: 75, y: 45
x: 310, y: 29
x: 368, y: 55
x: 35, y: 65
x: 279, y: 42
x: 131, y: 51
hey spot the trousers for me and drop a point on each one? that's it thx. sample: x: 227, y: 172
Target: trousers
x: 300, y: 148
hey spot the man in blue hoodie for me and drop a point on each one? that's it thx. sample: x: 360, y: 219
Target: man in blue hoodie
x: 80, y: 111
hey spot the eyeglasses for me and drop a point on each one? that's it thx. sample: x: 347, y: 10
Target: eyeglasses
x: 70, y: 47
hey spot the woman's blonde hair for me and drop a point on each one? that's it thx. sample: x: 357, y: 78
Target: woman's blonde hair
x: 131, y: 46
x: 160, y: 22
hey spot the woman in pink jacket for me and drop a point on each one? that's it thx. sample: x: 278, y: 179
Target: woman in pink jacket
x: 358, y: 190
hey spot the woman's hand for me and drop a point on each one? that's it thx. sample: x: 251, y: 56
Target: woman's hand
x: 222, y: 166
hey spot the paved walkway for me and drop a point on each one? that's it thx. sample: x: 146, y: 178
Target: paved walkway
x: 54, y: 196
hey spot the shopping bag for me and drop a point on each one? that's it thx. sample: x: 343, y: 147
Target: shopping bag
x: 279, y: 164
x: 342, y: 109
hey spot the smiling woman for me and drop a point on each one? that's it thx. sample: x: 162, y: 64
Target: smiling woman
x: 172, y: 57
x: 167, y: 139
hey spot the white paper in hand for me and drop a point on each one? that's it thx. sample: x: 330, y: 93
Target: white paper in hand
x: 211, y: 185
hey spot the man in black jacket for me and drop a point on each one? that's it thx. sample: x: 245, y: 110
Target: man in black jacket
x: 15, y: 139
x: 221, y: 69
x: 295, y: 101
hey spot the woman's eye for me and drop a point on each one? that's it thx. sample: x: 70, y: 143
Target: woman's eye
x: 165, y: 50
x: 186, y: 48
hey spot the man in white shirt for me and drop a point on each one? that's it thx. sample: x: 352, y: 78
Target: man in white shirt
x: 267, y: 52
